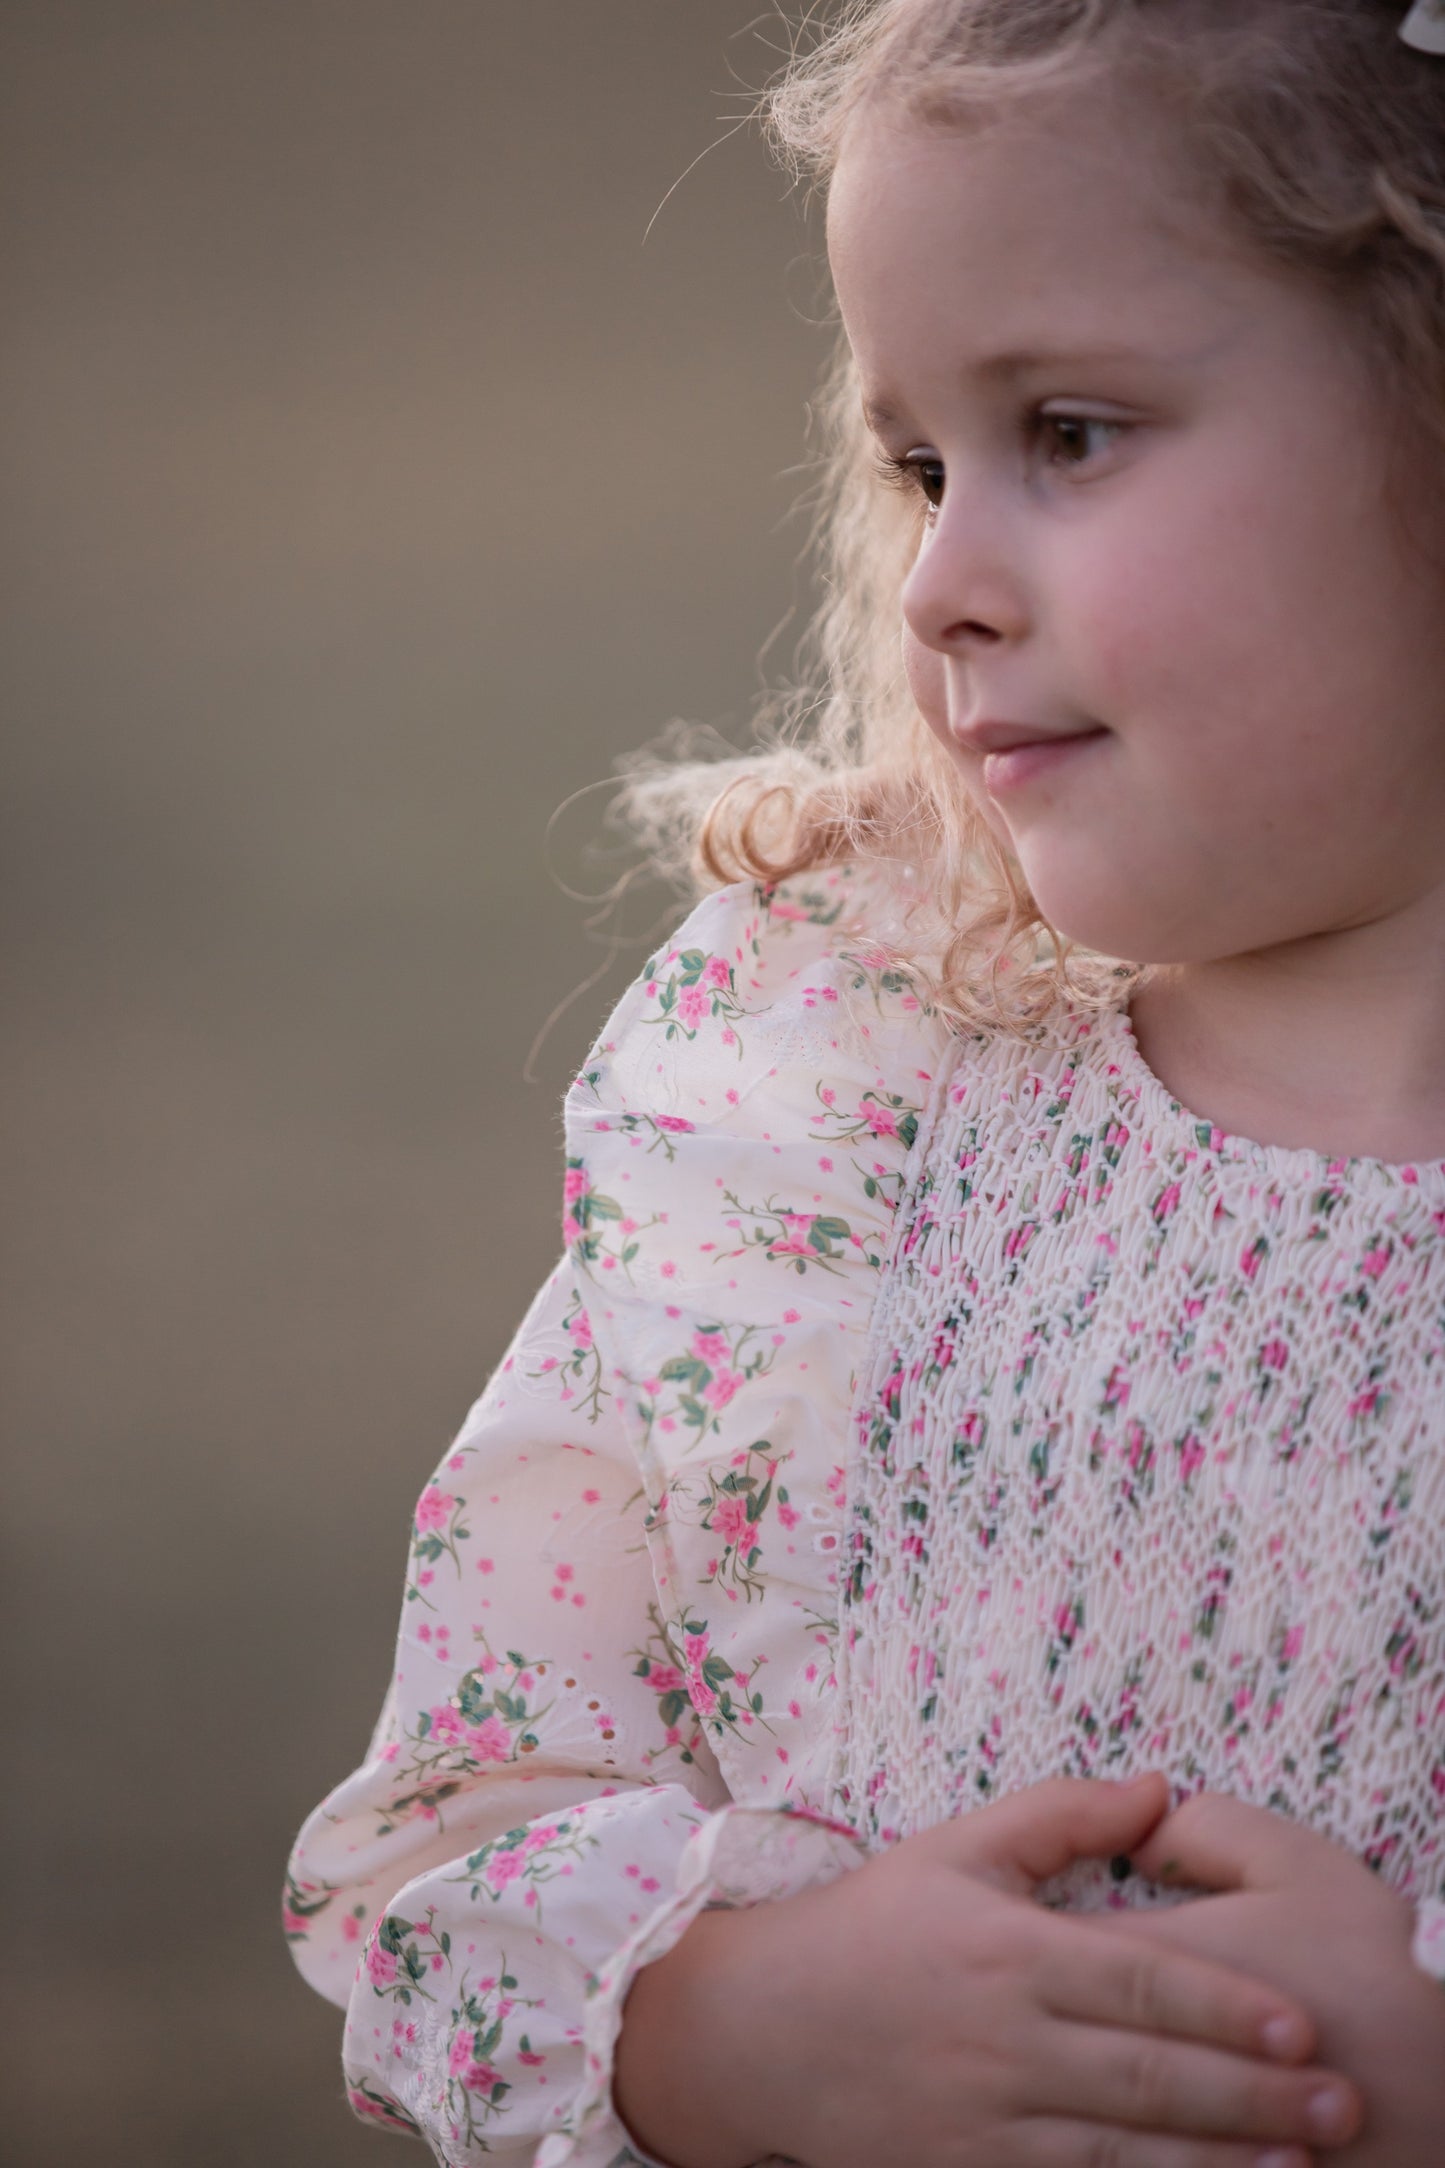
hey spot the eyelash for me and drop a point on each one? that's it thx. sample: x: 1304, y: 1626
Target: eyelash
x: 906, y: 473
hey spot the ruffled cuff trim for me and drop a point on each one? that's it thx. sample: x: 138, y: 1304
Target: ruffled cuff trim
x: 740, y: 1856
x: 1428, y: 1947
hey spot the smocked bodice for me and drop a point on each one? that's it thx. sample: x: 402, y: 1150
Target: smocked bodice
x: 1148, y: 1465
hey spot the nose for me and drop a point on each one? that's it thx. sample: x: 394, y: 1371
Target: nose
x: 962, y: 591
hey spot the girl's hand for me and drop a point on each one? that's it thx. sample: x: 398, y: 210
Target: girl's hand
x: 1306, y: 1915
x: 925, y: 2010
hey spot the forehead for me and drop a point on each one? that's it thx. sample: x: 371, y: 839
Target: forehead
x: 1066, y: 225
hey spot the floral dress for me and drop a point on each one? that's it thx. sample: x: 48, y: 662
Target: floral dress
x: 912, y: 1415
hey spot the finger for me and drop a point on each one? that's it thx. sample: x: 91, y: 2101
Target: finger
x: 1052, y: 2143
x: 1105, y: 1979
x: 1214, y: 1842
x: 1039, y: 1832
x: 1148, y: 2082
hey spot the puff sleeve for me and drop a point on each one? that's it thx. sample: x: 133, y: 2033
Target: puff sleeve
x: 541, y: 1809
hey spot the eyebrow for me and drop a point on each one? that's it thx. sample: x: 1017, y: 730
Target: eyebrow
x: 1018, y: 361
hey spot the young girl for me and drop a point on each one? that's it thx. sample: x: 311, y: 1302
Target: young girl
x: 931, y: 1647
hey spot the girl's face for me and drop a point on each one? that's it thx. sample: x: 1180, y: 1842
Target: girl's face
x: 1150, y: 482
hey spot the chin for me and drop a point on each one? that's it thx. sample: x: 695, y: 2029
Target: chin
x: 1113, y: 922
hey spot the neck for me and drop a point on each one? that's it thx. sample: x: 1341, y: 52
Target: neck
x: 1335, y: 1044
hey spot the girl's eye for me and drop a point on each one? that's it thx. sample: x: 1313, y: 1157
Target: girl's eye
x: 918, y: 474
x: 1080, y: 423
x: 921, y: 472
x: 925, y: 474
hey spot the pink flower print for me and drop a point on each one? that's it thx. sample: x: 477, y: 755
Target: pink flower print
x: 1167, y: 1203
x: 581, y: 1330
x: 478, y: 2077
x: 1191, y: 1456
x: 717, y: 972
x: 692, y: 1006
x: 1249, y: 1263
x: 882, y: 1120
x: 432, y: 1508
x: 787, y: 1514
x: 721, y: 1389
x: 380, y: 1963
x: 730, y: 1518
x: 695, y: 1652
x: 574, y: 1184
x: 362, y: 2103
x: 1293, y: 1642
x: 674, y: 1124
x: 710, y: 1348
x: 502, y: 1868
x: 446, y: 1725
x: 490, y: 1740
x: 665, y: 1679
x: 1274, y: 1354
x: 1375, y: 1260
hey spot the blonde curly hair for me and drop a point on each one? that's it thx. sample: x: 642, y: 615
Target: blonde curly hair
x: 1320, y: 138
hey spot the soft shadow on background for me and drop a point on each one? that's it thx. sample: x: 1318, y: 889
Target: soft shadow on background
x: 369, y: 485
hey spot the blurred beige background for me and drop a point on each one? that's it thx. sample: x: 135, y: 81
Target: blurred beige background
x: 368, y: 485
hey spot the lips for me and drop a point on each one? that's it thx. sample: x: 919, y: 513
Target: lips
x: 1000, y: 737
x: 1010, y: 767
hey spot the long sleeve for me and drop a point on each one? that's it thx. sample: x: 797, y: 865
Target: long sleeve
x: 1428, y: 1947
x: 541, y: 1810
x: 522, y: 1820
x: 521, y: 1824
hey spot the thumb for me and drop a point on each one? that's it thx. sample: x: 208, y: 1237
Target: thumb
x: 1219, y: 1843
x: 1039, y: 1832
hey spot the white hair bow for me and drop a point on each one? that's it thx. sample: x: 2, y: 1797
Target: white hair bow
x: 1424, y: 26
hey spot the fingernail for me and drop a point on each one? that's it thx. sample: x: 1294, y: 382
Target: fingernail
x: 1284, y: 2036
x: 1329, y: 2112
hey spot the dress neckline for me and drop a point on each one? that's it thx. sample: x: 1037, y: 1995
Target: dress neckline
x: 1297, y: 1166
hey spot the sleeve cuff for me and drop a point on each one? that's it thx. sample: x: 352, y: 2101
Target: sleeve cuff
x: 740, y: 1856
x: 1428, y: 1947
